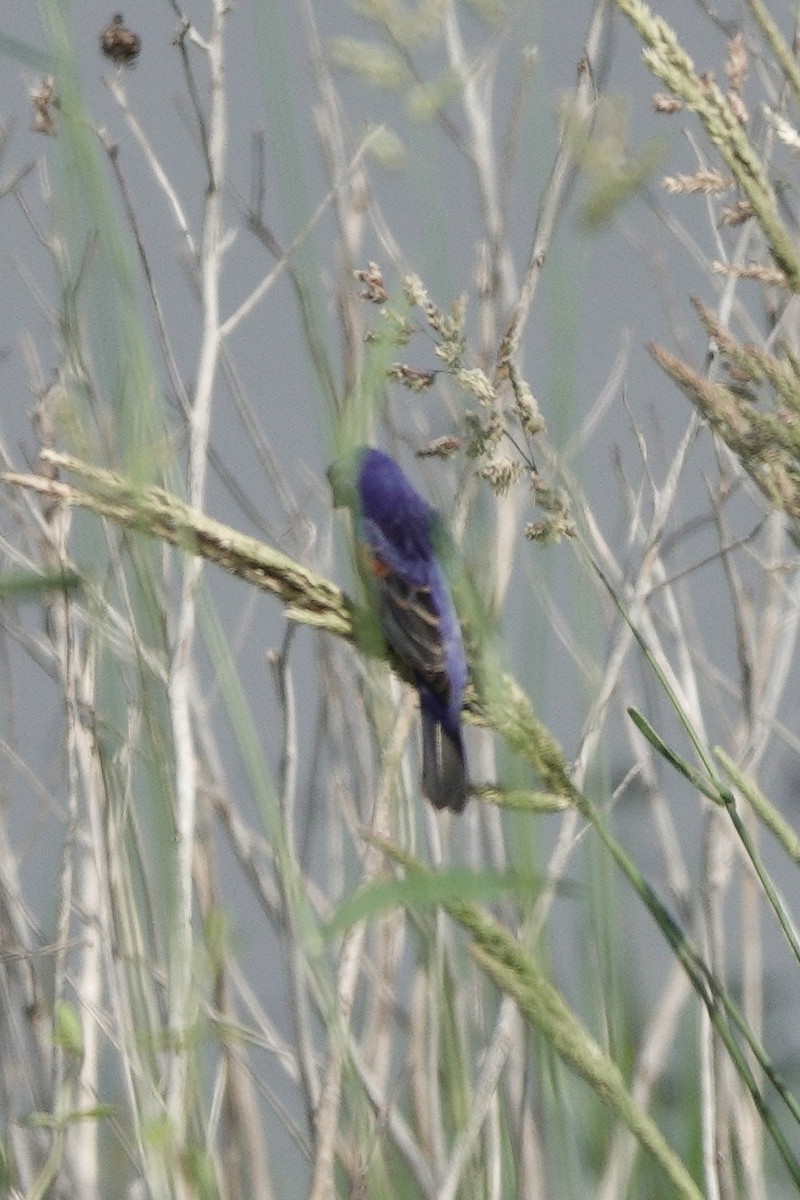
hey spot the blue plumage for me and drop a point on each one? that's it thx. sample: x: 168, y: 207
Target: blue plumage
x: 401, y: 536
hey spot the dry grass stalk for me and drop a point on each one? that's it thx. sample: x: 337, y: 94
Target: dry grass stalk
x: 763, y: 273
x: 737, y: 64
x: 702, y: 182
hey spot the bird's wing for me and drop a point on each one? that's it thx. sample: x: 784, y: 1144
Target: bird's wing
x: 411, y: 619
x: 413, y: 628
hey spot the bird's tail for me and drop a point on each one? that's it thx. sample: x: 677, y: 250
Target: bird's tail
x: 444, y: 771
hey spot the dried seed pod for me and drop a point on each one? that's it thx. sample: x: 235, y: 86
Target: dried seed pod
x: 43, y: 99
x: 119, y: 43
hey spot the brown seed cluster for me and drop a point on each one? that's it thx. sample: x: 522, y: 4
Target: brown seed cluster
x: 374, y: 287
x: 119, y: 43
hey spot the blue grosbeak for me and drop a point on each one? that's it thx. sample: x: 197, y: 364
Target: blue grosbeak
x: 401, y: 539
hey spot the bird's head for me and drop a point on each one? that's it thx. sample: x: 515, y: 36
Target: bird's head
x: 343, y: 476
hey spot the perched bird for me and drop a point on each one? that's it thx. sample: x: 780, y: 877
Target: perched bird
x: 401, y: 542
